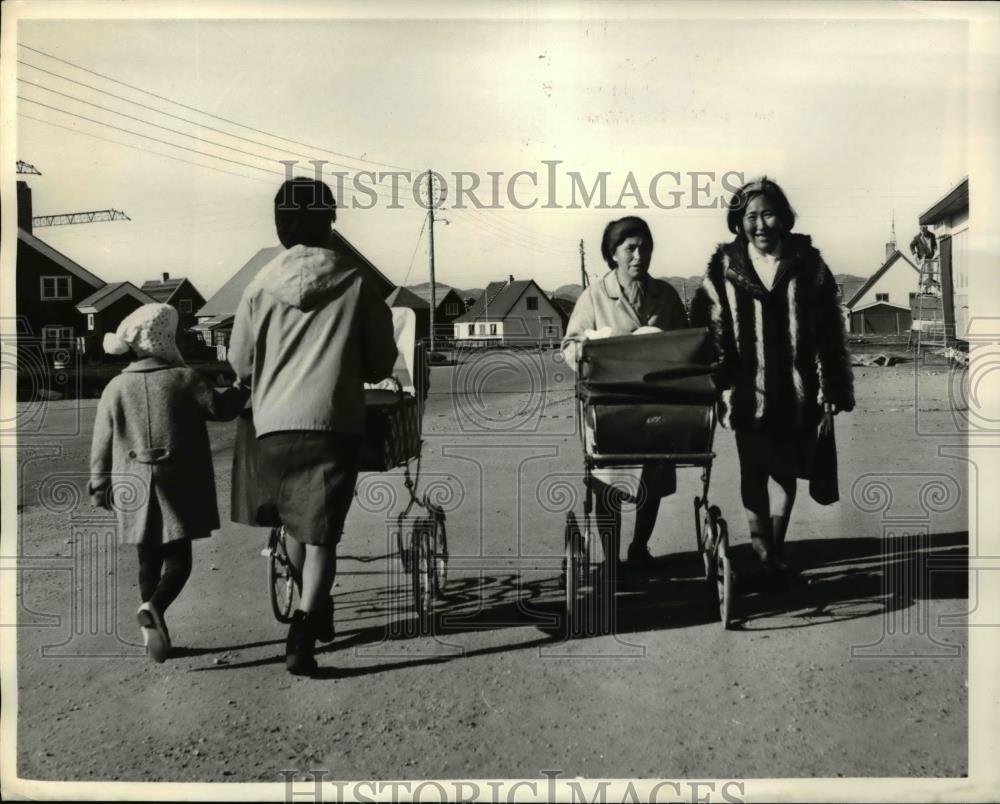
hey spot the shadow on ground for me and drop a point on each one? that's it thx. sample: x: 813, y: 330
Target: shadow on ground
x: 837, y: 580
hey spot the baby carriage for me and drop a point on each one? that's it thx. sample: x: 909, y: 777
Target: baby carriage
x: 643, y: 398
x: 393, y: 428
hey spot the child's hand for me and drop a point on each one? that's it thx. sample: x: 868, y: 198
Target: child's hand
x: 101, y: 499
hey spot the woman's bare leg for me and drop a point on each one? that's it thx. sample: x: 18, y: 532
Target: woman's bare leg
x: 782, y: 500
x: 756, y: 502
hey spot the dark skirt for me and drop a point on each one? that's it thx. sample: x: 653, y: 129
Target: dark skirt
x: 249, y: 503
x: 311, y: 476
x: 783, y: 454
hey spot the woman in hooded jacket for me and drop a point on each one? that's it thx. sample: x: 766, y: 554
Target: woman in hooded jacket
x: 773, y: 308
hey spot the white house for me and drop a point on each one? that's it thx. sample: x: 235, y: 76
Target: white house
x: 515, y: 311
x: 881, y: 306
x: 948, y: 219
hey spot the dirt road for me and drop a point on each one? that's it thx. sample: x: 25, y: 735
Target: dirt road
x: 853, y: 672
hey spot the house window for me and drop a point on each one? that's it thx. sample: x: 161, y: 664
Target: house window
x: 56, y: 287
x: 493, y: 329
x: 881, y: 297
x: 90, y: 322
x: 184, y: 306
x: 451, y: 308
x: 56, y: 337
x: 220, y: 337
x: 472, y: 329
x: 482, y: 329
x: 532, y: 302
x: 550, y: 332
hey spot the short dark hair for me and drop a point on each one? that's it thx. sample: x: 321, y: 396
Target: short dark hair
x: 762, y: 186
x: 304, y: 210
x: 616, y: 232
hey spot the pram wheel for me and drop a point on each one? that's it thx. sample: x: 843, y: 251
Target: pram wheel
x: 574, y: 568
x: 718, y: 570
x: 281, y: 583
x: 421, y: 561
x: 439, y: 555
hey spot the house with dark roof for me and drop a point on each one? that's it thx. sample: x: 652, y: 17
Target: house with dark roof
x: 48, y: 287
x: 215, y: 318
x: 508, y: 313
x: 178, y: 292
x: 404, y: 297
x: 882, y: 305
x: 449, y: 307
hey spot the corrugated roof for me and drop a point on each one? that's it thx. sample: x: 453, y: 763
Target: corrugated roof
x: 227, y: 298
x: 496, y: 301
x: 404, y: 297
x: 60, y: 259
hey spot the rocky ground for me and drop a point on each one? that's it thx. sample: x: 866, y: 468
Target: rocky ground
x: 859, y: 670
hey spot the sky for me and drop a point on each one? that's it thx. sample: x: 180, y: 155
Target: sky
x: 862, y: 121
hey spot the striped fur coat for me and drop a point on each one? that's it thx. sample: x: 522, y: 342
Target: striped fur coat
x: 782, y: 352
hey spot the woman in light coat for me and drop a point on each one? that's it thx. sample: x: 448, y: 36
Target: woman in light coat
x: 625, y: 299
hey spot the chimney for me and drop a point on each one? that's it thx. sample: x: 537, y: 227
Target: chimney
x: 24, y: 206
x: 166, y: 277
x: 510, y: 280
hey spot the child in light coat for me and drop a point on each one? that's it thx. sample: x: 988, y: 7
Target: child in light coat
x: 151, y: 461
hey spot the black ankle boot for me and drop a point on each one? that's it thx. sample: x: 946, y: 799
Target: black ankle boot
x: 322, y: 621
x: 300, y: 646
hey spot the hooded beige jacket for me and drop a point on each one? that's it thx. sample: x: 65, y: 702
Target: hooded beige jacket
x: 310, y: 330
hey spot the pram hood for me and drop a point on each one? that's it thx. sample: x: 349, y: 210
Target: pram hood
x: 674, y: 366
x: 306, y: 277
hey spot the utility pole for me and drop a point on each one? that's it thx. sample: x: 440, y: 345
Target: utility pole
x: 430, y: 229
x: 583, y: 265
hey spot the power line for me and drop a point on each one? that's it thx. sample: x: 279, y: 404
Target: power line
x: 516, y: 230
x: 214, y: 116
x: 175, y: 145
x: 137, y: 148
x: 414, y: 255
x: 158, y: 111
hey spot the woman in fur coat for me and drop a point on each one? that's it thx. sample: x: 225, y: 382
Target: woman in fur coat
x: 773, y: 308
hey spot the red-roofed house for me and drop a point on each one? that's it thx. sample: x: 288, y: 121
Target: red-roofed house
x: 513, y: 312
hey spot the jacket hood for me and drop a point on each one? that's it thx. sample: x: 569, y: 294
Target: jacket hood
x: 306, y: 276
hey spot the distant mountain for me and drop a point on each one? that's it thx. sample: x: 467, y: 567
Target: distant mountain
x: 440, y: 288
x: 571, y: 292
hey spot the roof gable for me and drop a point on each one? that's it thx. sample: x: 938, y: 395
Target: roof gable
x: 440, y: 294
x: 60, y: 259
x: 404, y: 297
x: 501, y: 297
x: 109, y: 294
x: 166, y: 291
x: 227, y: 298
x: 896, y: 255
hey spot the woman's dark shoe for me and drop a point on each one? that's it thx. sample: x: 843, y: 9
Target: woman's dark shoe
x: 639, y: 556
x: 300, y: 646
x: 322, y: 621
